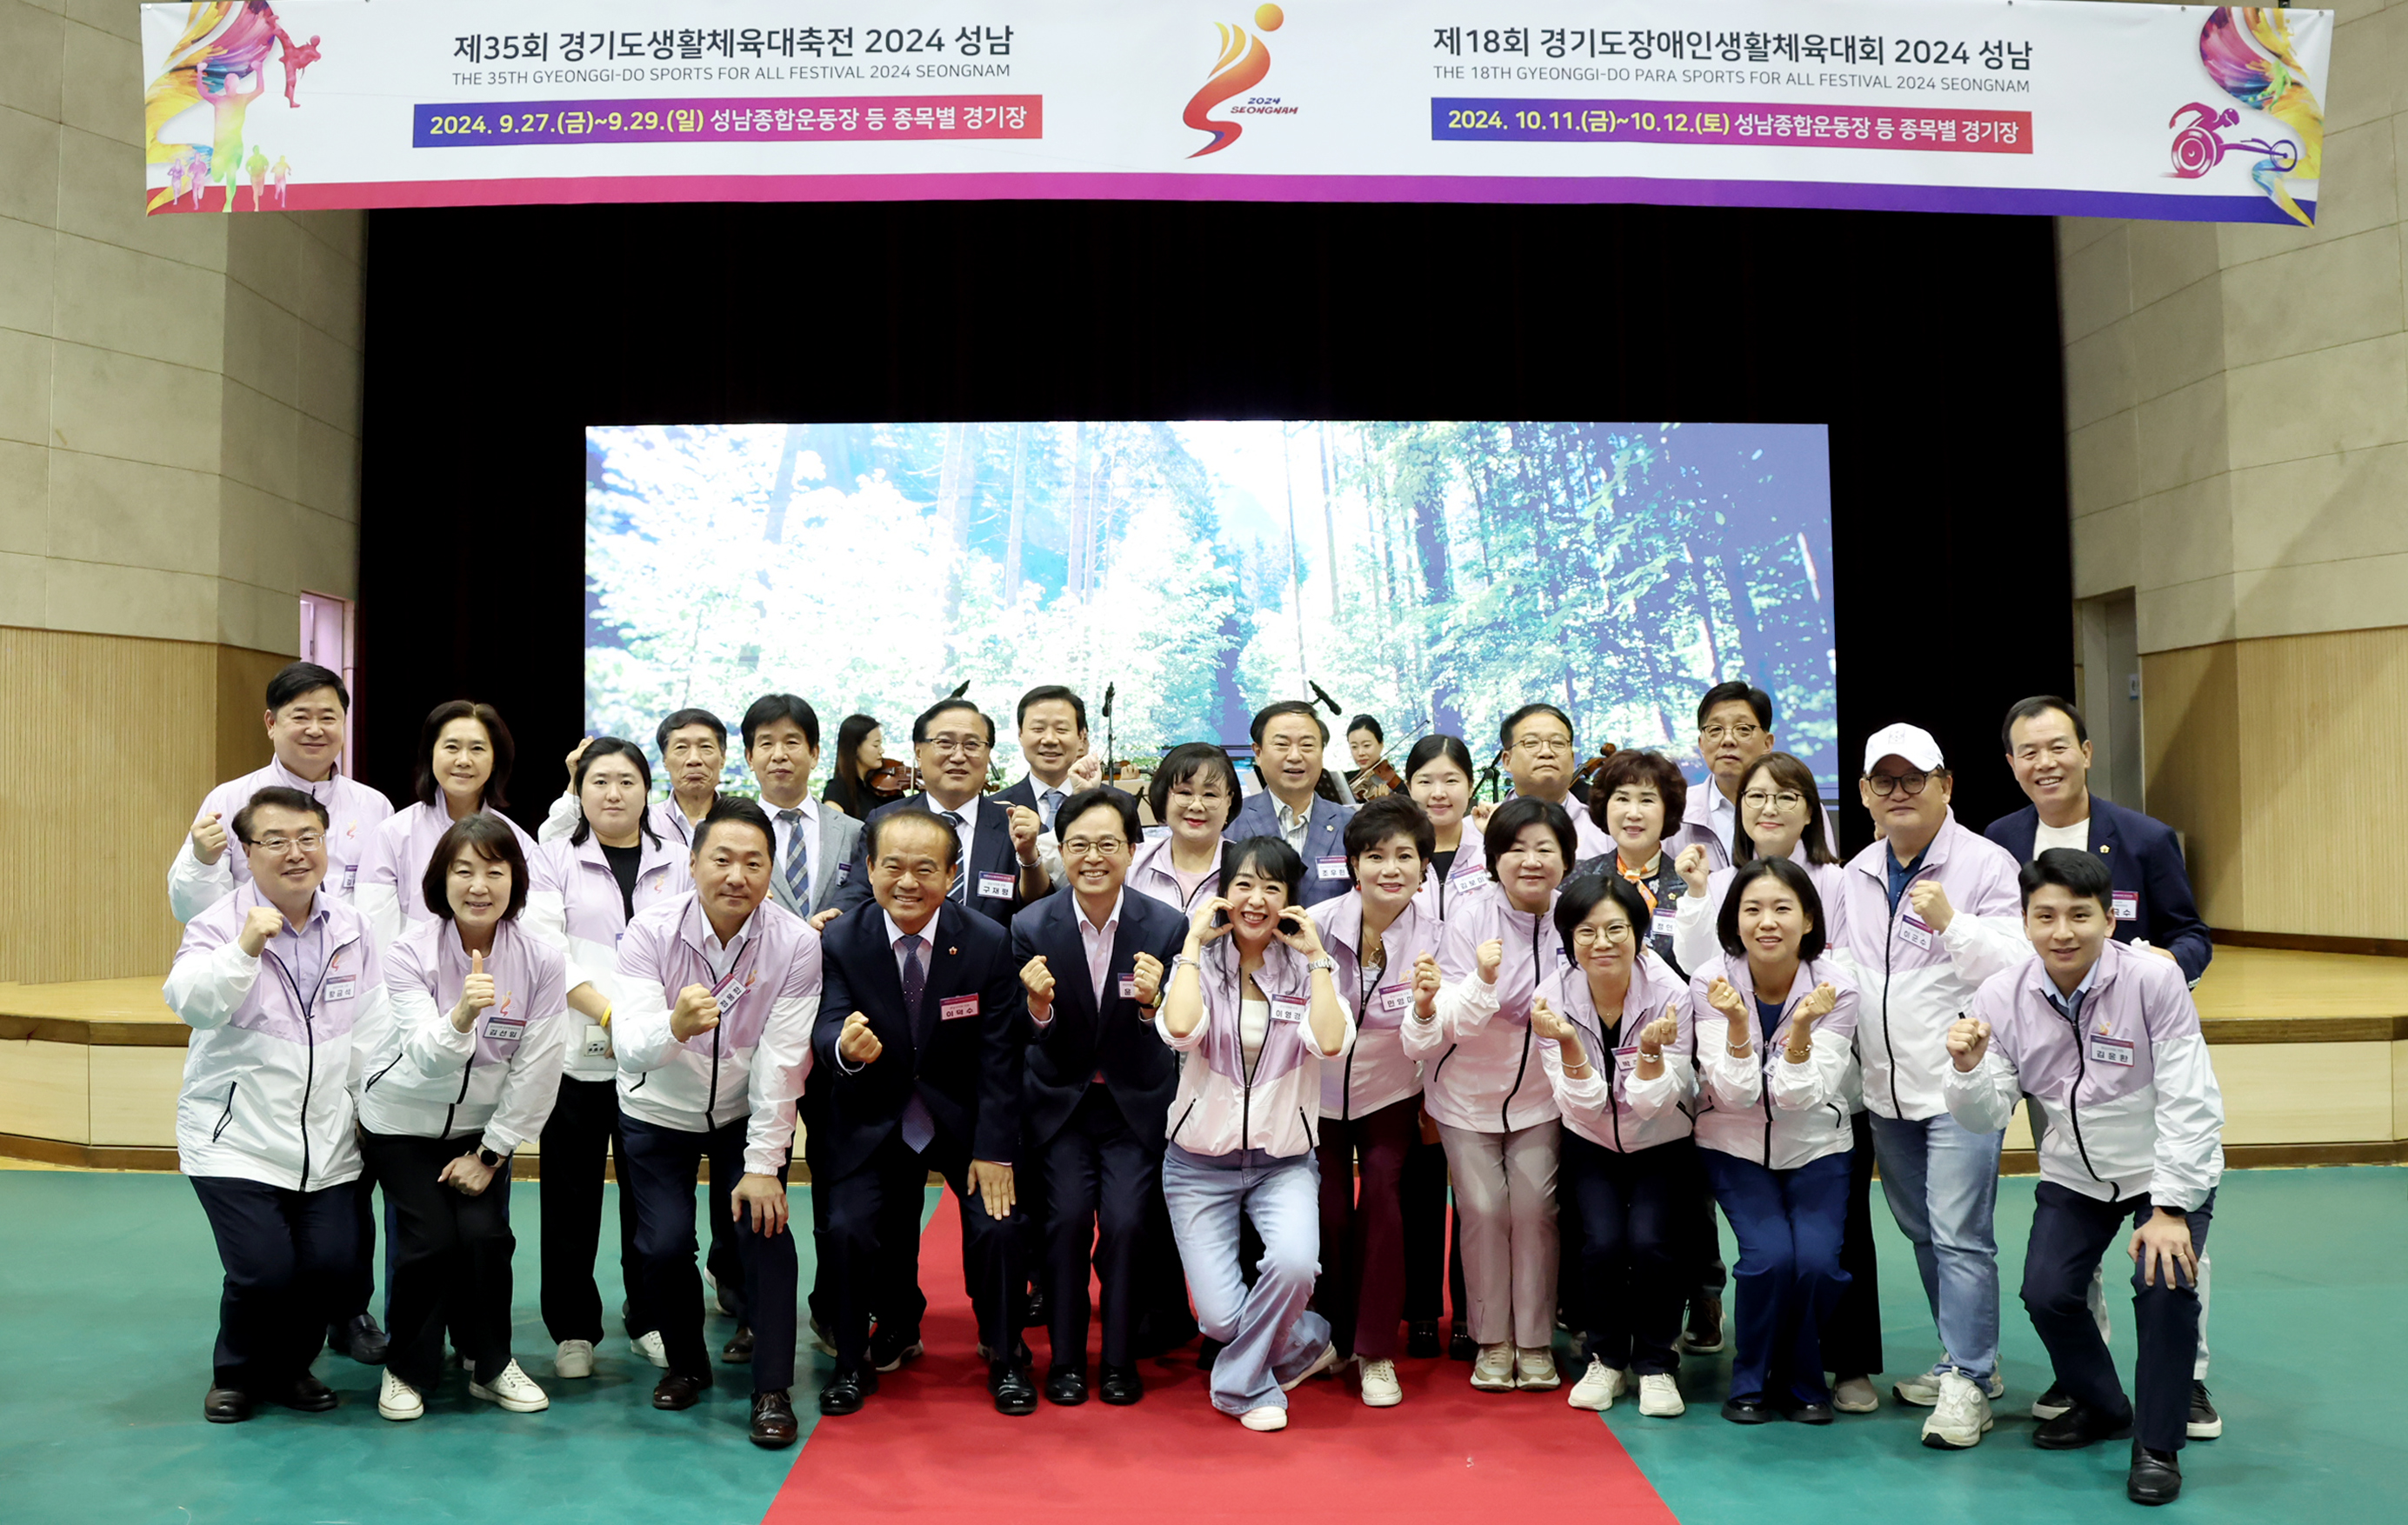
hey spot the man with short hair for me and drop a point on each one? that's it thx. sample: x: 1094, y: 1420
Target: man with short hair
x: 951, y: 740
x: 1541, y: 759
x: 1734, y: 729
x: 1289, y: 737
x: 815, y: 846
x: 693, y: 744
x: 1053, y: 721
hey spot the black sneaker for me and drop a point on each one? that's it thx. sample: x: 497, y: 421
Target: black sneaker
x: 2051, y: 1403
x: 2079, y: 1426
x: 2205, y: 1422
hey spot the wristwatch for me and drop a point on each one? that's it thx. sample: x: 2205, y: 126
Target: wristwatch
x: 491, y: 1161
x: 1325, y: 964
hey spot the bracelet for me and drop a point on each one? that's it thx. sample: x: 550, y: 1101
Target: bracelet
x: 1740, y: 1053
x: 1581, y: 1067
x: 607, y: 1009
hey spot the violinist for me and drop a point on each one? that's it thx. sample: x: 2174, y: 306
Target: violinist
x: 1373, y: 775
x: 864, y: 779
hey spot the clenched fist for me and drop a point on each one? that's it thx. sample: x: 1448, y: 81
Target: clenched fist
x: 1146, y: 976
x: 1426, y: 981
x: 1488, y: 956
x: 1968, y: 1039
x: 1931, y: 903
x: 1692, y: 867
x: 258, y: 926
x: 1025, y: 829
x: 857, y: 1044
x: 209, y: 838
x: 1037, y: 980
x: 696, y: 1011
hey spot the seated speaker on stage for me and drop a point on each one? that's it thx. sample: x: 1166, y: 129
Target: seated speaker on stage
x: 1053, y: 722
x: 1289, y: 740
x: 999, y: 871
x: 719, y: 988
x: 1734, y: 730
x: 921, y: 1032
x: 1098, y: 1089
x: 1632, y: 799
x: 1540, y: 758
x: 693, y: 747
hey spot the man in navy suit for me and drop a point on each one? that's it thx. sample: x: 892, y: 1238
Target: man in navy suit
x: 1288, y: 741
x: 2048, y: 747
x: 1100, y: 1083
x: 1001, y: 871
x: 921, y: 1025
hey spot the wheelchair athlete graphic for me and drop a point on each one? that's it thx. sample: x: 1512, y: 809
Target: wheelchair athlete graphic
x: 2198, y: 147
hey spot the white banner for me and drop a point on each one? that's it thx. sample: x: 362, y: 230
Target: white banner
x: 2097, y: 110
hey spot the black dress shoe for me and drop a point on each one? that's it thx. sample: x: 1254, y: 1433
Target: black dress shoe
x: 226, y: 1406
x: 360, y: 1339
x: 847, y: 1390
x: 2049, y: 1405
x: 1121, y: 1386
x: 1749, y: 1411
x: 1065, y: 1386
x: 2155, y: 1476
x: 1014, y: 1394
x: 888, y: 1352
x: 1036, y: 1314
x: 1421, y: 1339
x: 738, y: 1351
x: 773, y: 1419
x: 1808, y: 1413
x: 1460, y: 1346
x: 1704, y: 1335
x: 308, y: 1395
x: 677, y: 1391
x: 2080, y: 1425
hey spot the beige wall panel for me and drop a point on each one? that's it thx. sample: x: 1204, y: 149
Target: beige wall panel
x: 45, y: 1090
x: 134, y: 1094
x: 2305, y: 1092
x: 2190, y: 710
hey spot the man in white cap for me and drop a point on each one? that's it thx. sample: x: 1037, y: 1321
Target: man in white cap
x: 1929, y: 912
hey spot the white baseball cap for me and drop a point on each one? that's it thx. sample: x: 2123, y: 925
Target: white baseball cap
x: 1910, y: 742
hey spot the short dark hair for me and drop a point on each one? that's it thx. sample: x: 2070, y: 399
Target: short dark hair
x: 1185, y: 762
x: 2081, y: 873
x: 1507, y: 821
x: 1117, y: 800
x: 1264, y: 716
x: 296, y: 678
x: 1650, y: 769
x: 1793, y: 879
x: 2039, y: 703
x: 1789, y: 773
x: 596, y: 750
x: 1430, y: 748
x: 1505, y: 732
x: 771, y: 707
x: 497, y: 736
x: 1581, y: 897
x: 879, y: 824
x: 743, y: 812
x: 276, y: 796
x: 1263, y: 855
x: 1390, y: 814
x: 489, y: 837
x: 1724, y: 693
x: 927, y: 718
x: 1367, y: 722
x: 1046, y: 691
x: 678, y: 719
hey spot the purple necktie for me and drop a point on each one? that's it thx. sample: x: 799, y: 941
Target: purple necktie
x: 918, y: 1127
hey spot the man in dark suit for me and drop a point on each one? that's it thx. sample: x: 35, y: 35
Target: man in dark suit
x: 1099, y: 1084
x: 1001, y: 871
x: 922, y: 1027
x: 2048, y: 747
x: 1288, y: 741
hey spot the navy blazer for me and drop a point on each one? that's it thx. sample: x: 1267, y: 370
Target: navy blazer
x: 2146, y: 861
x: 1088, y: 1035
x: 1024, y: 792
x: 966, y: 1071
x: 991, y: 846
x: 1324, y: 838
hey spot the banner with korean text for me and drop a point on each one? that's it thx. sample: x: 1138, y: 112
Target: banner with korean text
x: 2050, y: 107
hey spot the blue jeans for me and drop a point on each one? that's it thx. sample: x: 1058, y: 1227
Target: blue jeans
x: 1270, y: 1336
x: 1789, y: 1224
x: 1942, y: 1186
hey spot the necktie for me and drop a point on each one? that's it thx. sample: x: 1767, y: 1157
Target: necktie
x: 797, y: 867
x: 1052, y: 804
x: 918, y: 1127
x: 962, y: 879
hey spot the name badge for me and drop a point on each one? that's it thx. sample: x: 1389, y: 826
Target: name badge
x: 504, y: 1029
x: 996, y: 886
x: 341, y: 989
x: 1914, y: 930
x: 598, y: 1040
x: 844, y: 872
x: 1662, y: 925
x: 1156, y: 834
x: 1625, y: 1058
x: 2107, y: 1050
x: 1463, y: 870
x: 1393, y: 997
x: 2127, y: 904
x: 954, y: 1009
x: 1287, y: 1008
x: 1128, y: 986
x: 730, y: 990
x: 1331, y: 868
x: 350, y: 877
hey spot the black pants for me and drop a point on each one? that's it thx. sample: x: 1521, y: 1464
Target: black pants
x: 451, y: 1260
x: 1433, y: 1256
x: 581, y: 1134
x: 1708, y: 1275
x: 1852, y: 1344
x: 873, y: 1231
x: 1100, y: 1183
x: 289, y: 1258
x: 2070, y: 1234
x: 662, y: 1164
x: 1632, y: 1254
x: 359, y: 1288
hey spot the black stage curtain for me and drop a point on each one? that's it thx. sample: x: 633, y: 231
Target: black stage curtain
x: 1927, y: 343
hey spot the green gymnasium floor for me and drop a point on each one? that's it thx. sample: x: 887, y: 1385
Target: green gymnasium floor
x: 107, y: 1297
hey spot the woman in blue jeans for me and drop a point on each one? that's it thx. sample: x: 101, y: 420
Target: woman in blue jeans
x: 1252, y: 1002
x: 1775, y: 1134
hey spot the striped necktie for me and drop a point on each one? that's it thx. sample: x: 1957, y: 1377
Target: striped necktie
x: 960, y: 895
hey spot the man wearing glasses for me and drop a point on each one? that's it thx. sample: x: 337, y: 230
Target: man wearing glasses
x: 1541, y: 759
x: 1734, y: 729
x: 1930, y: 911
x: 1000, y: 869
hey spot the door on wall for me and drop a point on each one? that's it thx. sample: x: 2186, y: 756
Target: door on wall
x: 326, y: 640
x: 2110, y: 671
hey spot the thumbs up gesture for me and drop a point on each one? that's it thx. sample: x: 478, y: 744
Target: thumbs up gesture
x: 476, y: 994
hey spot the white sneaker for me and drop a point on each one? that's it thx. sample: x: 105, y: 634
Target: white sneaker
x: 1961, y: 1417
x: 1533, y: 1371
x: 1923, y: 1389
x: 1268, y: 1417
x: 1659, y: 1397
x: 1381, y: 1389
x: 1856, y: 1395
x: 1494, y: 1371
x: 513, y: 1390
x: 573, y: 1360
x: 1599, y: 1387
x: 1320, y: 1363
x: 398, y: 1400
x: 649, y: 1347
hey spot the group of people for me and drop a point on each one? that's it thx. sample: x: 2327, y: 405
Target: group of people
x: 1232, y: 1052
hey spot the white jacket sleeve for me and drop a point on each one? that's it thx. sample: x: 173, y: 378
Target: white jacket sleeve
x: 193, y: 886
x: 1652, y: 1098
x: 1818, y: 1082
x: 1587, y: 1099
x: 1736, y: 1084
x: 639, y: 1027
x: 206, y: 989
x: 782, y: 1062
x: 545, y: 918
x: 429, y: 1043
x: 1692, y: 934
x: 560, y: 821
x: 532, y: 1085
x: 1981, y: 945
x: 1983, y: 1099
x: 2190, y: 1124
x: 1465, y: 1006
x: 381, y: 905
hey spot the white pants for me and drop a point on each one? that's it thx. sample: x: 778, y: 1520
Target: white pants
x: 1505, y: 1200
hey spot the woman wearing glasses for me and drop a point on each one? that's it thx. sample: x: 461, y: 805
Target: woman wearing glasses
x: 1194, y: 793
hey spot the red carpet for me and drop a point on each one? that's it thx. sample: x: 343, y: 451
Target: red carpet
x: 930, y: 1446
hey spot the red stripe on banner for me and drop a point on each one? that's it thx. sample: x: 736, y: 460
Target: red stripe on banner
x: 930, y: 1445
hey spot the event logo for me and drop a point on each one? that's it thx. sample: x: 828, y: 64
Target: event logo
x: 2249, y: 54
x: 1243, y: 62
x: 197, y: 111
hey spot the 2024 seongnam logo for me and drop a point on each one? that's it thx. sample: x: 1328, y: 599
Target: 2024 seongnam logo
x: 1243, y: 64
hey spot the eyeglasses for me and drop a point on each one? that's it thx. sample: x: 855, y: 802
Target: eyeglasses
x: 1731, y: 733
x: 1756, y: 799
x: 956, y: 746
x: 1542, y: 745
x: 1614, y: 934
x: 1102, y: 846
x: 307, y: 842
x: 1911, y: 784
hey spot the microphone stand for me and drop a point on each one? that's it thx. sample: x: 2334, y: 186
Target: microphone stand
x: 1112, y: 762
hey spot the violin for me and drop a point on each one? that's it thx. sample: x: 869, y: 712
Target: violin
x: 1380, y: 778
x: 1585, y: 775
x: 890, y: 781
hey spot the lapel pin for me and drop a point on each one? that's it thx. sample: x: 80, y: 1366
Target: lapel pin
x: 951, y: 951
x: 2106, y: 847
